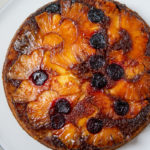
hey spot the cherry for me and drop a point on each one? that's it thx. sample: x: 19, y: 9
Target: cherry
x: 115, y: 71
x: 98, y: 41
x: 39, y: 77
x: 57, y: 121
x: 94, y: 125
x: 62, y: 106
x: 121, y: 107
x: 99, y: 81
x: 96, y: 15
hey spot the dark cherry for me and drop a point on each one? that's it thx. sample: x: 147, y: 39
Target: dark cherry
x: 62, y: 106
x: 57, y: 121
x: 94, y: 125
x: 39, y: 77
x: 99, y: 81
x: 115, y: 71
x: 98, y: 41
x: 53, y: 8
x: 97, y: 61
x: 121, y: 107
x: 96, y: 15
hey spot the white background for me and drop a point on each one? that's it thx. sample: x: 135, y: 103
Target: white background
x: 12, y: 137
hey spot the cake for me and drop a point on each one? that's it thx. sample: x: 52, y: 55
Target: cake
x: 77, y: 75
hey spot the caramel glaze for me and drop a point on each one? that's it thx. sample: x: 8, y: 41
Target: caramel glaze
x: 129, y: 127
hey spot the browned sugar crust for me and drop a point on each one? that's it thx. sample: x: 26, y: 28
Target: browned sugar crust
x: 32, y: 45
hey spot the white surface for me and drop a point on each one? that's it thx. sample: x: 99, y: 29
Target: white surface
x: 12, y: 137
x: 4, y: 4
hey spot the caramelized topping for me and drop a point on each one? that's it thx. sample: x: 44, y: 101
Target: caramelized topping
x: 125, y: 43
x: 53, y: 8
x: 97, y: 61
x: 49, y: 68
x: 24, y: 43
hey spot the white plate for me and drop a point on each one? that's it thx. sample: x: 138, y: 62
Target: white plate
x: 12, y: 137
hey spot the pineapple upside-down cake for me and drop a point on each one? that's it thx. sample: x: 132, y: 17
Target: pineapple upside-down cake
x: 77, y: 75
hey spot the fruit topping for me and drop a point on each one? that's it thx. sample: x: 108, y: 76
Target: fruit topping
x: 115, y: 71
x: 38, y: 110
x: 57, y: 121
x: 25, y: 66
x: 96, y: 15
x: 121, y: 107
x: 62, y: 106
x: 39, y: 77
x: 98, y: 81
x: 94, y: 125
x: 98, y: 41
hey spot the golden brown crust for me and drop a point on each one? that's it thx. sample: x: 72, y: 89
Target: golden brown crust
x: 145, y: 112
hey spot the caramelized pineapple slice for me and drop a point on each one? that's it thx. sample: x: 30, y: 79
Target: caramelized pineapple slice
x: 133, y: 69
x: 48, y: 65
x: 65, y: 84
x: 78, y: 13
x: 52, y: 40
x: 67, y: 28
x: 106, y: 106
x: 116, y: 57
x: 44, y: 27
x: 135, y: 91
x: 26, y: 92
x: 73, y: 50
x: 107, y: 137
x: 38, y: 111
x: 25, y: 65
x: 69, y: 135
x: 113, y: 13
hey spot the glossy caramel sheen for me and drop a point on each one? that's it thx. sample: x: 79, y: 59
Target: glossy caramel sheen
x: 59, y: 44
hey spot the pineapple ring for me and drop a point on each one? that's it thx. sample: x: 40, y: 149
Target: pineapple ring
x: 93, y: 60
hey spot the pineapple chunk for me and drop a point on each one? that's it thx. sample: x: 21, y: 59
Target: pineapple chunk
x: 38, y: 111
x: 43, y: 22
x: 69, y: 135
x: 107, y: 137
x: 25, y: 65
x: 52, y: 40
x: 65, y: 85
x: 26, y: 92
